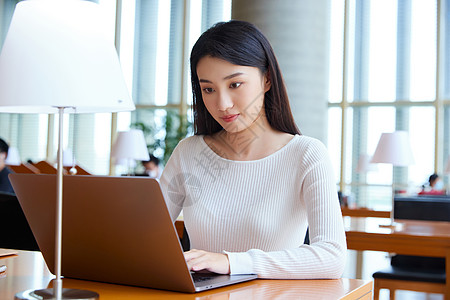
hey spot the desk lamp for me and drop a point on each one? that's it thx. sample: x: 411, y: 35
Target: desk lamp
x: 13, y: 158
x: 129, y: 147
x: 393, y: 148
x: 56, y: 59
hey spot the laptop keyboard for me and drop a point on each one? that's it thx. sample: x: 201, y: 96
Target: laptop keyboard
x: 198, y: 277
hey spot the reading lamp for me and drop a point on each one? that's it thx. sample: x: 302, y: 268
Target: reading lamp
x: 129, y: 147
x: 57, y: 58
x: 13, y: 158
x: 393, y: 148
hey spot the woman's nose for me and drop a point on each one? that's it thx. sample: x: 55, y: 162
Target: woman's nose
x: 225, y: 101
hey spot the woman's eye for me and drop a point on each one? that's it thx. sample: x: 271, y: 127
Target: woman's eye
x: 235, y: 85
x: 208, y: 90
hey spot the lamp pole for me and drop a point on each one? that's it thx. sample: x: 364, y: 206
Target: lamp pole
x: 57, y: 285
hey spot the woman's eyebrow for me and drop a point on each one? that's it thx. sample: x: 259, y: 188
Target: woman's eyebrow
x: 233, y: 75
x: 225, y: 78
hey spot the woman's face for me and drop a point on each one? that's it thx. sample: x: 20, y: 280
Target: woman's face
x: 233, y: 94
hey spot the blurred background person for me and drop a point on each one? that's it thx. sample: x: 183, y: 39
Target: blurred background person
x: 5, y: 185
x: 152, y: 167
x: 435, y: 186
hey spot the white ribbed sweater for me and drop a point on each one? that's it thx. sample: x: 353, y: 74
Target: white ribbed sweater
x: 258, y: 211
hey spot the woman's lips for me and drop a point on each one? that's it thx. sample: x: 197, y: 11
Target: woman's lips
x: 230, y: 118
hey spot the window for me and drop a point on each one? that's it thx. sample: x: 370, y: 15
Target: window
x: 396, y: 58
x: 164, y: 32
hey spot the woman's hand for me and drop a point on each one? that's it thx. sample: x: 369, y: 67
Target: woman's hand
x: 198, y: 260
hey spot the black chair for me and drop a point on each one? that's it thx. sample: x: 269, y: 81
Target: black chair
x: 15, y: 233
x: 415, y: 273
x: 427, y: 208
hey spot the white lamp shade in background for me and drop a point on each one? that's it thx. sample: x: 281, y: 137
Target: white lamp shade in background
x: 364, y: 165
x: 130, y: 145
x: 57, y: 54
x: 68, y: 158
x: 13, y: 158
x: 394, y: 148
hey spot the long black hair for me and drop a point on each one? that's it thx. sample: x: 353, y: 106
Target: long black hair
x: 241, y: 43
x: 4, y: 147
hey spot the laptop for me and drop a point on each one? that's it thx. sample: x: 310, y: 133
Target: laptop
x: 115, y: 230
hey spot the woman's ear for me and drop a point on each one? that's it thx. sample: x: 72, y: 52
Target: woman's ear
x: 267, y: 82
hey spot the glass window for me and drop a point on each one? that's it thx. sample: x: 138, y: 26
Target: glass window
x: 349, y: 143
x: 423, y: 50
x: 382, y: 51
x: 422, y: 136
x: 392, y: 58
x: 160, y: 94
x: 336, y: 51
x: 351, y: 48
x: 126, y: 49
x: 334, y: 139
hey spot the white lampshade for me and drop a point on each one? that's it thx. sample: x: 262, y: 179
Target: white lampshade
x: 130, y: 145
x: 68, y: 158
x: 57, y: 54
x: 394, y: 148
x: 364, y: 165
x: 13, y: 158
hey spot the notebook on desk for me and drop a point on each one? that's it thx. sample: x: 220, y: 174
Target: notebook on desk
x: 115, y: 230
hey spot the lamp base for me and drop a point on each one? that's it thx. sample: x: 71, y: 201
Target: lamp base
x: 392, y: 226
x: 47, y: 294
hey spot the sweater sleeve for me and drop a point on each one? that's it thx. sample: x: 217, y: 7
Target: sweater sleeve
x: 173, y: 191
x: 325, y: 257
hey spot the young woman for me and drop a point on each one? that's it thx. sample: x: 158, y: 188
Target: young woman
x: 249, y: 184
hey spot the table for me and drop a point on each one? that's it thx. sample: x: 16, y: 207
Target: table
x: 365, y: 212
x: 27, y: 270
x: 409, y: 237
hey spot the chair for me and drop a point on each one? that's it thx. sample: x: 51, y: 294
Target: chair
x: 183, y: 235
x: 415, y: 273
x: 15, y: 232
x: 24, y: 168
x: 45, y: 168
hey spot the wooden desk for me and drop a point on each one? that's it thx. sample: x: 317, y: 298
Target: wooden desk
x: 364, y: 212
x: 28, y: 271
x: 426, y: 238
